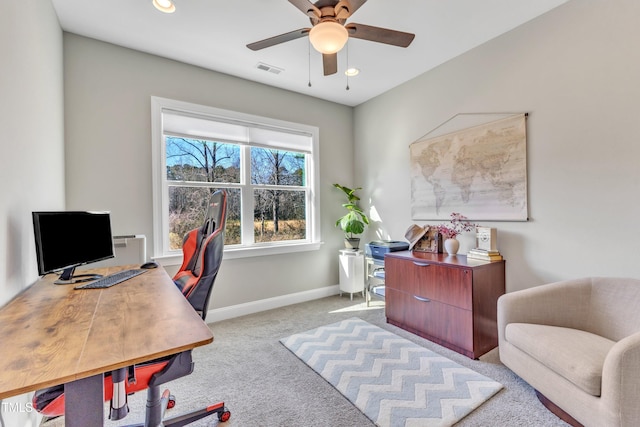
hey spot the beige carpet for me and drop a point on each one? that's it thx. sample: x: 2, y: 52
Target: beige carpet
x: 263, y: 385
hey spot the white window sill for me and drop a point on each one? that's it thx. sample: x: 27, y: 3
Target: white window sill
x: 237, y: 253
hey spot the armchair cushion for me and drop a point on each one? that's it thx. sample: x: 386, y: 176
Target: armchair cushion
x: 578, y: 356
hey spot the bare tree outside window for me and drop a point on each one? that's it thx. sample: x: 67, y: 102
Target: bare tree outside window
x: 280, y: 209
x: 199, y: 160
x: 191, y: 161
x: 196, y: 168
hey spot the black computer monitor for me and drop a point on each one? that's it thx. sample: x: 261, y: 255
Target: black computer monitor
x: 67, y: 239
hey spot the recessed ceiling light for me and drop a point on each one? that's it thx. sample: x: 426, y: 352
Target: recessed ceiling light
x: 352, y: 72
x: 165, y: 6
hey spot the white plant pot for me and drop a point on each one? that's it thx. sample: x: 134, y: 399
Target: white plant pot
x: 352, y: 243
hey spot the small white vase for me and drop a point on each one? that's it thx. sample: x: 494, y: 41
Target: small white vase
x: 451, y: 246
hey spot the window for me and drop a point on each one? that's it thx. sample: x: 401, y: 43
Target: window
x: 267, y: 167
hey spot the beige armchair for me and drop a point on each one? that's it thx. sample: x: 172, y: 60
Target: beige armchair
x: 577, y: 343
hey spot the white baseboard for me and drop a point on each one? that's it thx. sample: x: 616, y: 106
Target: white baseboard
x: 224, y: 313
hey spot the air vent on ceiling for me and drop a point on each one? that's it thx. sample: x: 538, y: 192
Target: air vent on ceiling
x: 269, y: 68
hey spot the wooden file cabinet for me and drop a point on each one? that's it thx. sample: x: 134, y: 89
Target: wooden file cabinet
x: 446, y: 299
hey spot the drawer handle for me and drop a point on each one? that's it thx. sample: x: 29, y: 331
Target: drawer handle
x: 423, y: 299
x: 422, y: 264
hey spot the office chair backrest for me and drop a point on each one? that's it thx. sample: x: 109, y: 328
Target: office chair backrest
x: 203, y: 249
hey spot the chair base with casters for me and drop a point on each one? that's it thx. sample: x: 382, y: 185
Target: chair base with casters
x: 123, y: 382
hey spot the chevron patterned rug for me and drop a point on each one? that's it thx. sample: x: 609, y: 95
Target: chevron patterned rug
x: 391, y: 380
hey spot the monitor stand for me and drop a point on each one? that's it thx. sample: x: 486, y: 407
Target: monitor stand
x: 68, y: 278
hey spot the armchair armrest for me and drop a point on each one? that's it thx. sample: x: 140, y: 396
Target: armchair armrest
x: 620, y: 382
x: 556, y: 304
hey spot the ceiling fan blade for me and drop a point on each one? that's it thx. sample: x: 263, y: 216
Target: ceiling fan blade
x: 330, y: 63
x: 306, y: 7
x: 272, y: 41
x: 380, y: 35
x: 355, y: 5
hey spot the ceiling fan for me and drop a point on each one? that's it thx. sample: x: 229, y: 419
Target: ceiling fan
x: 329, y: 33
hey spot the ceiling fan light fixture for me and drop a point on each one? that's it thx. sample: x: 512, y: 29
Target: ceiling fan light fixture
x: 165, y: 6
x: 328, y: 37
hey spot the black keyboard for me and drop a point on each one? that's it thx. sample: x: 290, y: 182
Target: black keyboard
x: 112, y: 279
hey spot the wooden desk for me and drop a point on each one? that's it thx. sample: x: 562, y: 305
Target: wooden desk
x: 53, y: 334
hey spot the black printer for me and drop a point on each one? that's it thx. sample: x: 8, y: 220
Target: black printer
x: 377, y: 249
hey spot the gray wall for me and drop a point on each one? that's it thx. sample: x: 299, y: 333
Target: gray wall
x: 32, y: 129
x: 108, y: 141
x: 575, y: 70
x: 32, y: 138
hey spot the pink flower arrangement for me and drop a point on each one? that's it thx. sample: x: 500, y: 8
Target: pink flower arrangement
x: 458, y: 224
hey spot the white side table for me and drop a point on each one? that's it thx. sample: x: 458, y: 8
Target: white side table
x: 351, y: 272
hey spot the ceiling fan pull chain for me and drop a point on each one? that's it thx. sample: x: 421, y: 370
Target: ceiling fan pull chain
x: 309, y: 58
x: 347, y: 74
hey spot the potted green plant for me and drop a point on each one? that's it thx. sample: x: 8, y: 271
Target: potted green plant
x: 355, y: 220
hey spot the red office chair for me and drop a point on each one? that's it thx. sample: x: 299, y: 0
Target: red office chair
x: 202, y: 255
x: 202, y: 250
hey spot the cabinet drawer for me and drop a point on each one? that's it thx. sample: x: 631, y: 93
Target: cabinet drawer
x: 449, y: 285
x: 437, y: 320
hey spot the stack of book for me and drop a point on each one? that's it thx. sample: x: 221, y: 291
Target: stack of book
x: 484, y: 255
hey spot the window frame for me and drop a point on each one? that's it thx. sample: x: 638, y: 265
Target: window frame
x: 162, y: 253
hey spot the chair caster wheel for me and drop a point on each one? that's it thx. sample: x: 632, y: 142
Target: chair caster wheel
x: 224, y: 415
x: 171, y: 402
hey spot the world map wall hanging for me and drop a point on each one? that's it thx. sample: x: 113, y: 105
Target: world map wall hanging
x: 479, y: 171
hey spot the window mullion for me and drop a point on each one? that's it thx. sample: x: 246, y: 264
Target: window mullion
x: 247, y: 197
x: 279, y: 187
x: 200, y: 184
x: 310, y: 194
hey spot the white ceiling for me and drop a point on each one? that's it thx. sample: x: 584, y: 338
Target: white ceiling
x: 213, y: 34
